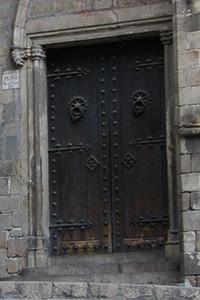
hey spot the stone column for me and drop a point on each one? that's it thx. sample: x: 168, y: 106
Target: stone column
x: 172, y: 245
x: 37, y: 252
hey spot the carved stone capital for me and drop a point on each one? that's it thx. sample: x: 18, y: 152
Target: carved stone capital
x: 37, y: 52
x: 19, y: 55
x: 166, y: 37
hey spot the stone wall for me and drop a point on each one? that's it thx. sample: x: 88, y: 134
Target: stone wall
x: 187, y: 37
x: 53, y: 17
x: 12, y: 243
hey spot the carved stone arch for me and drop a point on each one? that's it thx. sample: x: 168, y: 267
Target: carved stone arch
x: 19, y: 52
x: 19, y: 24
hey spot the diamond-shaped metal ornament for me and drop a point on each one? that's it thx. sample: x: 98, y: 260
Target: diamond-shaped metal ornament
x: 128, y: 160
x: 91, y: 163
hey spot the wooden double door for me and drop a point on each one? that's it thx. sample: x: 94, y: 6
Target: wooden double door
x: 107, y: 154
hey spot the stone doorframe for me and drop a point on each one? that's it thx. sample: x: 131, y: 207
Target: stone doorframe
x: 28, y: 53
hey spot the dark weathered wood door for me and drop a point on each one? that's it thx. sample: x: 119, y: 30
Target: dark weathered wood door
x: 107, y: 156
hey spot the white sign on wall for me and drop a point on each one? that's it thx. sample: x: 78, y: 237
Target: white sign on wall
x: 10, y: 80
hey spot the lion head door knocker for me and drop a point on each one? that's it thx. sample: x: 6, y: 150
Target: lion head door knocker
x: 139, y: 102
x: 77, y: 107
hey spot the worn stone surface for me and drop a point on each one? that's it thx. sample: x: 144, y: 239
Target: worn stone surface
x: 11, y: 248
x: 185, y: 163
x: 69, y: 6
x: 198, y: 241
x: 190, y: 182
x: 12, y: 265
x: 195, y: 163
x: 185, y: 201
x: 191, y: 263
x: 191, y: 220
x: 195, y: 201
x: 189, y: 241
x: 9, y: 204
x: 5, y: 221
x: 98, y: 4
x: 2, y: 258
x: 3, y: 239
x: 41, y: 8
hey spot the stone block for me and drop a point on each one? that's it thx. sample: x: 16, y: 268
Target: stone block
x: 109, y: 291
x: 12, y: 265
x: 188, y: 59
x: 9, y: 203
x: 17, y: 219
x: 190, y: 280
x: 7, y: 168
x: 11, y: 147
x: 193, y: 40
x: 189, y: 114
x: 198, y: 241
x: 94, y: 18
x: 70, y: 6
x: 182, y: 78
x: 79, y: 290
x: 192, y: 145
x: 4, y: 15
x: 2, y: 258
x: 9, y: 111
x: 190, y: 182
x: 11, y: 247
x: 3, y: 239
x: 128, y: 3
x: 147, y: 11
x: 185, y: 164
x: 195, y: 163
x: 191, y: 220
x: 3, y: 273
x: 195, y: 201
x: 29, y: 290
x: 193, y: 77
x: 189, y: 95
x: 22, y: 263
x: 4, y: 189
x: 185, y: 201
x: 181, y: 41
x: 93, y: 290
x: 15, y: 185
x: 17, y: 232
x: 98, y: 4
x: 191, y: 263
x: 5, y: 221
x: 196, y: 6
x: 4, y: 32
x: 42, y: 8
x: 61, y: 289
x: 135, y: 292
x: 3, y: 49
x: 189, y: 241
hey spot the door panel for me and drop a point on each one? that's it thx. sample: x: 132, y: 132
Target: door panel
x: 107, y: 147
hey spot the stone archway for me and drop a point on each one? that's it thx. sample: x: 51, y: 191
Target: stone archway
x: 28, y: 52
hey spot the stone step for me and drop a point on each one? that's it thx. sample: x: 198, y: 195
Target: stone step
x: 83, y: 269
x: 124, y: 268
x: 106, y: 258
x: 94, y: 291
x: 162, y: 278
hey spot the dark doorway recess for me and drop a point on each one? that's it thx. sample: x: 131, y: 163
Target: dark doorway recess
x: 107, y: 147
